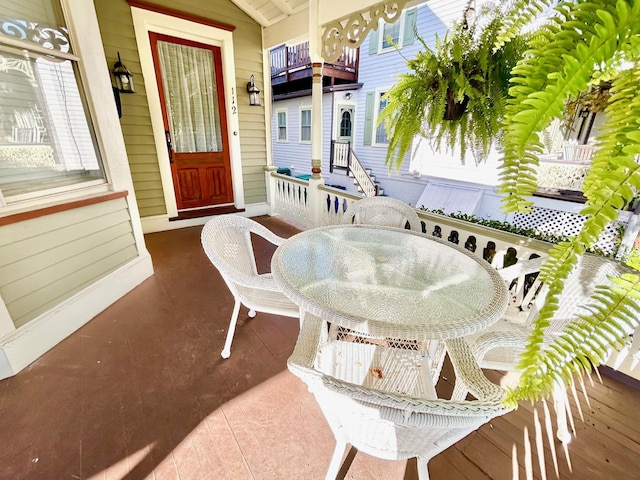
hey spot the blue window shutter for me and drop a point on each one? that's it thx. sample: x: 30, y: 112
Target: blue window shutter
x: 410, y: 19
x: 373, y: 42
x: 368, y: 118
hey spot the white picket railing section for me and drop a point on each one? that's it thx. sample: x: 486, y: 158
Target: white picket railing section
x: 341, y: 154
x: 497, y: 247
x: 290, y: 198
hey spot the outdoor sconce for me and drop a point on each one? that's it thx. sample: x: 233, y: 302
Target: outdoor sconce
x: 124, y: 78
x: 254, y: 92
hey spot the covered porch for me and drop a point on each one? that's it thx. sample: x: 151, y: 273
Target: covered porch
x: 142, y: 392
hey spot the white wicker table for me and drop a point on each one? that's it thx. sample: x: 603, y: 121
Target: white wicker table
x: 389, y: 282
x: 416, y: 296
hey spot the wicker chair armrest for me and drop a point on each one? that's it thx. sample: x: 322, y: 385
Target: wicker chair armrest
x: 503, y: 339
x: 267, y: 234
x: 469, y: 372
x: 263, y: 282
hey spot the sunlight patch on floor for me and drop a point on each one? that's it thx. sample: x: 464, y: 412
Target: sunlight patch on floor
x: 124, y: 466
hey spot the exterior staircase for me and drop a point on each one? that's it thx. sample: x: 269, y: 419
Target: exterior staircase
x: 344, y: 158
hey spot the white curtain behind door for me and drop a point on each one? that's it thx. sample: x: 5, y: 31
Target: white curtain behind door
x: 188, y: 78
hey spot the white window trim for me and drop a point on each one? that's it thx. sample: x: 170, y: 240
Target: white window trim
x: 381, y: 35
x: 145, y: 21
x: 376, y: 106
x: 286, y: 125
x: 305, y: 107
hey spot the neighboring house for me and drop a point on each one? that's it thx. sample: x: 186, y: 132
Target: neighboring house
x: 79, y: 186
x: 430, y: 178
x: 358, y: 104
x: 350, y: 108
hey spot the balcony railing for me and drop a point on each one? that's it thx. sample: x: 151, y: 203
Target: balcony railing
x: 293, y: 62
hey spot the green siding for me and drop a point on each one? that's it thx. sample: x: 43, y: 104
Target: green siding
x: 116, y: 28
x: 45, y: 260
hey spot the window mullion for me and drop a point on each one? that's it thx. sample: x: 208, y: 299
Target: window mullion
x: 25, y: 48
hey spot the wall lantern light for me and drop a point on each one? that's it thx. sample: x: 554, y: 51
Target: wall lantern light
x: 124, y: 78
x: 254, y: 92
x: 348, y: 95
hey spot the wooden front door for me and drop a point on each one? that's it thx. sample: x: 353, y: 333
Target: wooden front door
x: 189, y: 76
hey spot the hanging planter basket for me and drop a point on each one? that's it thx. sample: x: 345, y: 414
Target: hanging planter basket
x: 455, y: 110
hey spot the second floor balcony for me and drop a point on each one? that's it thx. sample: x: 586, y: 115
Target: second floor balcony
x: 291, y: 68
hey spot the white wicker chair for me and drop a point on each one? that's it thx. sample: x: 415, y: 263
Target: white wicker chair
x: 380, y: 407
x: 500, y: 346
x: 226, y: 240
x: 382, y: 211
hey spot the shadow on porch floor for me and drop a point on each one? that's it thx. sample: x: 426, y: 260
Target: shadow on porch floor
x: 142, y: 392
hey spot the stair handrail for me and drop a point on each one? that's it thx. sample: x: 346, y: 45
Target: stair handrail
x: 364, y: 180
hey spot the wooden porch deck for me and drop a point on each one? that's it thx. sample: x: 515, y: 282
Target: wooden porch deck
x: 142, y: 392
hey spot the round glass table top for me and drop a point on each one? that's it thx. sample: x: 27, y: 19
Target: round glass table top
x: 389, y: 282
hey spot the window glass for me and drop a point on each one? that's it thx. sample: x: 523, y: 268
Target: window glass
x: 282, y: 125
x: 390, y: 35
x: 305, y: 125
x: 381, y: 132
x: 46, y: 141
x: 345, y: 124
x: 191, y: 92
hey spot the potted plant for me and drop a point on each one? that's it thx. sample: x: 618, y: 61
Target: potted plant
x: 456, y: 92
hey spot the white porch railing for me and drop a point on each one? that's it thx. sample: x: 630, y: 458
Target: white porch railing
x: 291, y: 198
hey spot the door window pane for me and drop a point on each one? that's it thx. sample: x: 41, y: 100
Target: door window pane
x: 345, y: 124
x: 188, y: 78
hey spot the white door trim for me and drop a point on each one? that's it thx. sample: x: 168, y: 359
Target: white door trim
x: 145, y: 21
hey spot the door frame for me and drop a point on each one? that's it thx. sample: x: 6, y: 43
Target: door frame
x: 145, y: 21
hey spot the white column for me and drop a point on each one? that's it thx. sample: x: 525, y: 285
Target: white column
x: 315, y: 53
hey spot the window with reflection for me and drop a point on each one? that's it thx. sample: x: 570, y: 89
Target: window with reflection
x: 47, y: 144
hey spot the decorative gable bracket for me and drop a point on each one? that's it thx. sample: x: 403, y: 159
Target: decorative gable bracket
x: 351, y: 31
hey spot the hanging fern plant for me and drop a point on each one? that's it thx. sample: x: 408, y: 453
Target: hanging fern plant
x: 456, y: 92
x: 586, y: 43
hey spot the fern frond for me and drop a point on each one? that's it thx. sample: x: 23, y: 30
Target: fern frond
x: 512, y: 26
x: 586, y: 342
x: 565, y: 56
